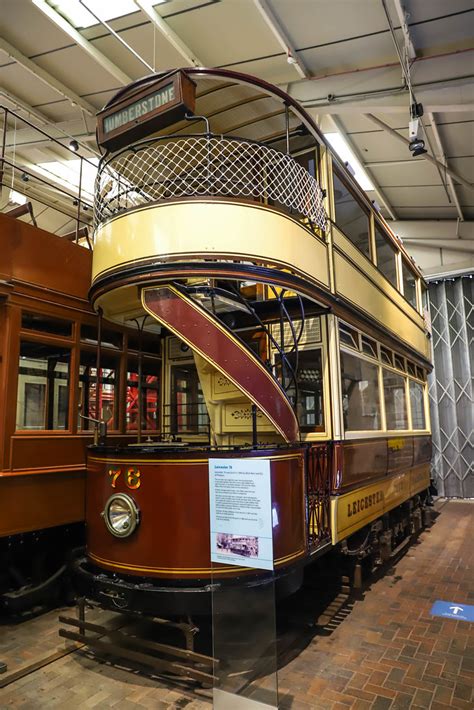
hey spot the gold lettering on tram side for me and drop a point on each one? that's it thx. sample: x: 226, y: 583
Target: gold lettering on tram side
x: 395, y: 444
x: 364, y: 503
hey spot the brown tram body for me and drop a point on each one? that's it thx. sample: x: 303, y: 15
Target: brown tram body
x: 268, y: 331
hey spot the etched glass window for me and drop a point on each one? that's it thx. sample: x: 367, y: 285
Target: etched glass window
x: 395, y: 400
x: 360, y: 394
x: 417, y: 403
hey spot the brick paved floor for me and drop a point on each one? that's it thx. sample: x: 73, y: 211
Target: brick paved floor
x: 381, y: 652
x: 388, y: 652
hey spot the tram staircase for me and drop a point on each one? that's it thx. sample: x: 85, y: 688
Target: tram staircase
x: 232, y: 377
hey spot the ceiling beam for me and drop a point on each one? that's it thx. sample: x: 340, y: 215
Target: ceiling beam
x: 463, y: 245
x: 46, y: 77
x: 426, y: 156
x: 378, y: 190
x: 82, y: 42
x: 20, y: 105
x: 162, y: 26
x: 282, y: 38
x: 442, y: 158
x: 402, y: 18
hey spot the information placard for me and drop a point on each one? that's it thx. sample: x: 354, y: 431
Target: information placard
x: 240, y: 503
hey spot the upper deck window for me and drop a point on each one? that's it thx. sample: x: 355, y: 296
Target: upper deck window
x: 351, y: 217
x: 409, y: 283
x: 386, y: 256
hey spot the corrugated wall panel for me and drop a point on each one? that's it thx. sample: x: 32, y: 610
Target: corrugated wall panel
x: 451, y: 385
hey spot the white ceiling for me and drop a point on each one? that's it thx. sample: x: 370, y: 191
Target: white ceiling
x: 347, y: 71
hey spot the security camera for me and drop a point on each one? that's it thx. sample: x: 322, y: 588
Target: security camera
x: 416, y: 145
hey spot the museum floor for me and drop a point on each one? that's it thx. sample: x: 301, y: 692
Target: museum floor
x: 382, y: 650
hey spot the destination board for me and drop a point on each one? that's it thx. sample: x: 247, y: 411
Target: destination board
x: 144, y: 110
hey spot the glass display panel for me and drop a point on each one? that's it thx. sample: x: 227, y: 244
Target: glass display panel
x: 360, y: 394
x: 309, y: 387
x: 108, y: 386
x: 150, y: 396
x: 46, y: 324
x: 243, y: 521
x: 409, y: 283
x: 43, y: 387
x: 386, y: 256
x: 351, y: 217
x: 187, y: 411
x: 417, y: 403
x: 395, y: 400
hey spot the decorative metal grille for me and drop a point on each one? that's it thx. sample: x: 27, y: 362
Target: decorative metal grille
x: 451, y: 386
x: 318, y: 486
x: 202, y: 166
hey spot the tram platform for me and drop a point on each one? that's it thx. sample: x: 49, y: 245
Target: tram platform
x: 380, y: 651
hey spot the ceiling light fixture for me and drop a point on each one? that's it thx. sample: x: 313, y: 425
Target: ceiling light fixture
x: 417, y: 144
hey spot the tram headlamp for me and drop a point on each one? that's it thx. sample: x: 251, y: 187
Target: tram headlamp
x: 121, y: 515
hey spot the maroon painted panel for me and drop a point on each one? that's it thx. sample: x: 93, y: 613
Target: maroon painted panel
x: 172, y: 540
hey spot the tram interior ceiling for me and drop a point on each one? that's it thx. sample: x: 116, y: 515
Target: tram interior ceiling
x: 236, y: 310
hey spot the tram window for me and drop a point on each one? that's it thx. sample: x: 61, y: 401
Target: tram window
x: 307, y: 161
x: 386, y: 256
x: 399, y: 363
x: 348, y: 336
x: 360, y: 394
x: 150, y: 396
x: 150, y: 343
x: 309, y: 378
x: 351, y: 217
x: 109, y: 339
x: 424, y: 298
x: 386, y: 356
x: 369, y: 346
x: 417, y: 403
x: 187, y: 411
x: 409, y: 284
x: 420, y: 373
x: 46, y: 324
x: 43, y: 387
x: 395, y: 400
x: 107, y: 390
x: 411, y: 368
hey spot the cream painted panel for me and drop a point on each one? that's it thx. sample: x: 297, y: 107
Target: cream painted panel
x: 354, y: 286
x: 208, y: 229
x: 374, y: 274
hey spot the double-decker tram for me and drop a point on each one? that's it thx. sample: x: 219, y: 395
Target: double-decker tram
x: 290, y: 323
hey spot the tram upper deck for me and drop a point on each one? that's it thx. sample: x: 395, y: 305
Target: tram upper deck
x: 257, y: 197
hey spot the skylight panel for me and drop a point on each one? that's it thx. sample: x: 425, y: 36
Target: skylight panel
x: 66, y: 173
x: 340, y: 145
x: 80, y: 17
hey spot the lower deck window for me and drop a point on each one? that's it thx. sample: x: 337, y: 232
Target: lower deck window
x: 308, y: 392
x: 43, y: 387
x: 106, y: 398
x: 417, y: 402
x: 187, y: 413
x: 360, y: 394
x: 395, y: 400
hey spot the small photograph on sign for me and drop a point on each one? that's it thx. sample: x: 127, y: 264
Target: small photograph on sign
x: 245, y: 545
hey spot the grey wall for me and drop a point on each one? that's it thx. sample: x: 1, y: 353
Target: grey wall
x: 451, y: 385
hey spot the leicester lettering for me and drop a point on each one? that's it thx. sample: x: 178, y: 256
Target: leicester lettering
x: 364, y: 503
